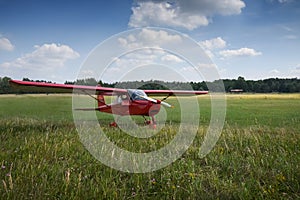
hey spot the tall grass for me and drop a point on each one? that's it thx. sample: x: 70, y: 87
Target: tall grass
x: 255, y: 158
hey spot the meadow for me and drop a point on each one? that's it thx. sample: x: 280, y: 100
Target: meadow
x: 256, y: 157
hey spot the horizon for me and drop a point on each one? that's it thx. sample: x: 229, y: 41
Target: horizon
x: 149, y: 80
x: 271, y: 85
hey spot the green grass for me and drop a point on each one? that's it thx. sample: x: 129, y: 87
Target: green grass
x: 256, y: 157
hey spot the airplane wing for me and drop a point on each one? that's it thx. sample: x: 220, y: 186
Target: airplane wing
x: 175, y: 92
x: 28, y: 86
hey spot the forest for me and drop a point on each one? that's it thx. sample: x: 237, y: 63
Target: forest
x: 271, y: 85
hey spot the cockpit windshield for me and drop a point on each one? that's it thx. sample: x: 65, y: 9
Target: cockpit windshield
x: 136, y: 94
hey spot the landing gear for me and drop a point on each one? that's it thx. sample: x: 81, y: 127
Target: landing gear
x: 151, y: 123
x: 113, y: 124
x: 152, y: 126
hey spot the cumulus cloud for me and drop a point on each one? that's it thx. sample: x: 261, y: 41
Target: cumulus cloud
x: 45, y: 56
x: 146, y: 46
x: 163, y: 14
x: 5, y: 44
x: 147, y: 37
x: 240, y: 52
x: 171, y: 58
x: 188, y: 14
x: 142, y: 57
x: 213, y: 44
x: 48, y: 61
x: 144, y: 64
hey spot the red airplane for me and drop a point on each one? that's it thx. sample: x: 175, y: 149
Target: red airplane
x: 128, y: 101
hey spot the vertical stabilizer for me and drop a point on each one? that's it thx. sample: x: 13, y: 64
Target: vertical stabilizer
x: 101, y: 100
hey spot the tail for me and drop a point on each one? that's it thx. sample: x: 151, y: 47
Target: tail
x: 101, y: 100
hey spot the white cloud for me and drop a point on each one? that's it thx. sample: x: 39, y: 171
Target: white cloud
x: 280, y: 1
x: 188, y: 14
x: 274, y: 71
x: 142, y: 64
x: 5, y: 44
x: 163, y: 14
x: 46, y: 56
x: 136, y: 58
x: 239, y: 52
x: 212, y: 47
x: 147, y: 37
x: 296, y: 69
x: 172, y: 58
x: 145, y: 47
x: 285, y: 1
x: 215, y: 43
x: 291, y: 37
x: 206, y: 66
x: 47, y: 62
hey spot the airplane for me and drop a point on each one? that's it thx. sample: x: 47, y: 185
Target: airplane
x: 128, y: 101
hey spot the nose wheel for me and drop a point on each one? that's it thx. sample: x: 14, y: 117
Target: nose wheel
x: 151, y: 123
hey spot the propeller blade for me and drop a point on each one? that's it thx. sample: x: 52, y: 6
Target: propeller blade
x: 166, y: 104
x: 157, y: 101
x: 149, y: 99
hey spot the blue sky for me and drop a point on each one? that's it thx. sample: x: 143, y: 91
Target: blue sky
x: 50, y: 40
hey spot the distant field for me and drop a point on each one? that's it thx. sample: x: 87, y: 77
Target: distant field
x: 272, y: 110
x: 257, y: 155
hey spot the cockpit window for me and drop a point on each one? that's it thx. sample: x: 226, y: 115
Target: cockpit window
x: 136, y: 94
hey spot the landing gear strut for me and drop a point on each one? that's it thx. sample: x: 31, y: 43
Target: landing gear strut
x: 151, y: 123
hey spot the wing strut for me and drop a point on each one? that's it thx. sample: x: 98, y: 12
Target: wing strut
x: 166, y: 97
x: 90, y: 95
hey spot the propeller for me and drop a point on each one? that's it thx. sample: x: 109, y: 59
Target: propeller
x: 166, y: 104
x: 157, y: 101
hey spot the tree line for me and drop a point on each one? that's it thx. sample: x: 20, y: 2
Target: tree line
x: 271, y: 85
x: 276, y: 85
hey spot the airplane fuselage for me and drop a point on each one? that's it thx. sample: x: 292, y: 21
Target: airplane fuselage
x: 137, y: 107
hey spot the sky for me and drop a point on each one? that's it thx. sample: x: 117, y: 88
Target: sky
x: 52, y: 40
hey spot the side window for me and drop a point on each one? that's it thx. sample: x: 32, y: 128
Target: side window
x: 124, y: 97
x: 121, y: 98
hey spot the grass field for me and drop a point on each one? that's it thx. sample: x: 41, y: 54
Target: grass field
x: 256, y: 157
